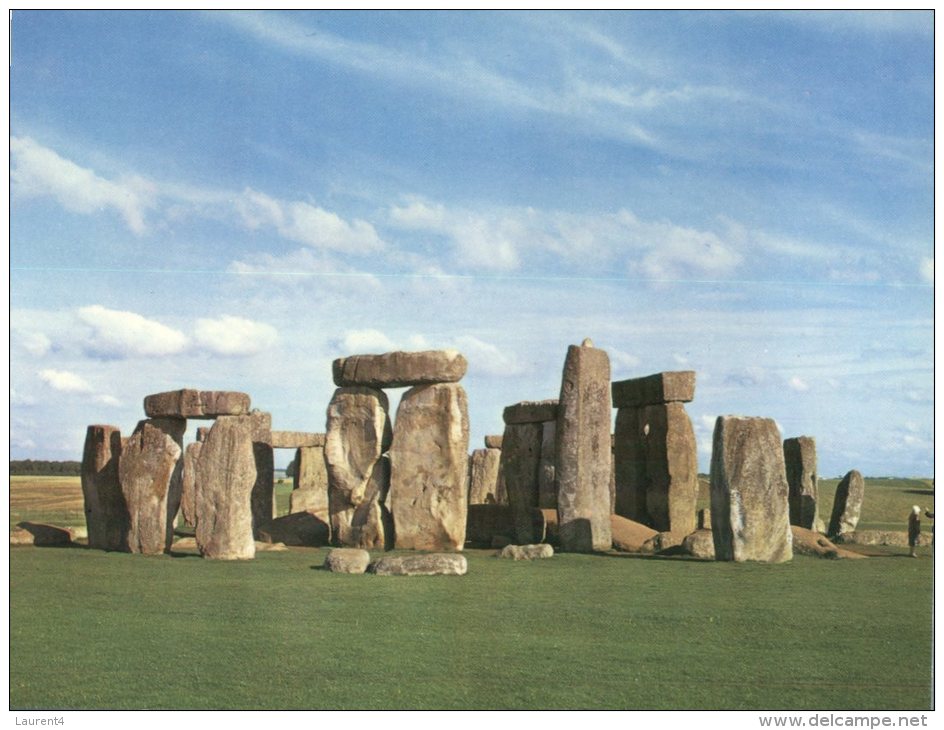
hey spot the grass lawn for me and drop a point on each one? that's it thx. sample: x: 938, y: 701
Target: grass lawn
x: 99, y: 630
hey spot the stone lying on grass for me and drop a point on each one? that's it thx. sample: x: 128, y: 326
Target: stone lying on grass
x: 347, y: 560
x: 429, y: 564
x: 699, y: 544
x: 40, y: 535
x: 306, y: 529
x: 808, y: 542
x: 527, y: 552
x: 880, y: 537
x: 190, y: 543
x: 663, y: 541
x: 629, y: 536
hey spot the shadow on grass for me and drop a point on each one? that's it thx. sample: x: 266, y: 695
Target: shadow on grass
x: 922, y: 492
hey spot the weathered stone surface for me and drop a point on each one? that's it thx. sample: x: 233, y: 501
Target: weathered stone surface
x: 226, y: 475
x: 484, y: 470
x: 347, y: 560
x: 487, y: 521
x: 545, y: 526
x: 547, y: 484
x: 202, y: 432
x: 270, y: 547
x: 431, y: 564
x: 106, y: 514
x: 807, y: 542
x: 263, y: 491
x: 749, y: 505
x: 655, y: 389
x: 663, y: 541
x: 400, y: 369
x: 531, y: 411
x: 189, y: 403
x: 309, y: 481
x: 612, y: 480
x: 847, y: 504
x: 149, y: 470
x: 629, y: 536
x: 880, y: 537
x: 296, y: 439
x: 358, y: 432
x: 40, y: 535
x: 799, y: 457
x: 188, y: 492
x: 520, y: 463
x: 429, y: 468
x: 304, y: 529
x: 704, y: 519
x: 371, y: 523
x: 583, y: 450
x: 629, y: 451
x: 700, y: 544
x: 527, y: 552
x: 493, y: 442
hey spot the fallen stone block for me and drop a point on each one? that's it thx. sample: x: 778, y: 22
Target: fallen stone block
x: 527, y: 552
x: 400, y: 369
x: 303, y: 529
x: 429, y: 564
x: 891, y: 538
x: 670, y: 387
x: 808, y: 542
x: 629, y: 536
x: 663, y: 541
x: 188, y: 403
x: 347, y: 560
x: 700, y: 544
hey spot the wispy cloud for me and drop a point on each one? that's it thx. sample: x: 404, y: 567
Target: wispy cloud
x: 117, y: 333
x: 234, y: 336
x: 64, y: 381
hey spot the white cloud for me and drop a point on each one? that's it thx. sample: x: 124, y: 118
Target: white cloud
x: 622, y: 361
x: 927, y: 270
x: 108, y: 400
x: 64, y: 381
x: 21, y: 399
x: 798, y: 384
x: 39, y: 171
x: 366, y: 342
x: 486, y: 358
x: 35, y: 343
x: 234, y: 336
x: 126, y: 334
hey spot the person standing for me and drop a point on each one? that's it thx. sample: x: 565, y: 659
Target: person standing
x: 914, y: 529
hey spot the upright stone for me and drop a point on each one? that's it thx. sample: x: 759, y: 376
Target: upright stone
x: 547, y: 485
x: 372, y: 524
x: 630, y: 456
x: 520, y: 467
x: 188, y: 495
x: 106, y: 514
x: 583, y: 450
x: 400, y: 369
x: 263, y: 491
x: 484, y: 469
x: 226, y: 475
x: 429, y: 468
x: 749, y: 492
x: 358, y: 432
x: 799, y: 456
x: 310, y: 482
x: 847, y: 504
x: 671, y: 468
x: 149, y: 470
x: 190, y: 403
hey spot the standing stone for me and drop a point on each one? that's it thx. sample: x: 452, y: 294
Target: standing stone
x: 583, y: 450
x: 106, y: 514
x: 520, y: 466
x: 226, y: 475
x: 547, y: 485
x: 799, y: 456
x: 429, y: 468
x: 371, y: 524
x: 671, y: 468
x: 358, y: 432
x: 630, y: 456
x: 310, y: 482
x: 188, y: 494
x: 202, y: 432
x: 263, y: 491
x: 149, y: 470
x: 400, y: 369
x: 612, y: 475
x: 484, y: 468
x: 847, y: 505
x: 749, y: 492
x: 189, y: 403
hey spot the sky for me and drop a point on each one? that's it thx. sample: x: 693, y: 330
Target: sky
x: 232, y: 200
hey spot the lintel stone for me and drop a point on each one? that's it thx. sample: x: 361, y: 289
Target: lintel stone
x: 670, y: 387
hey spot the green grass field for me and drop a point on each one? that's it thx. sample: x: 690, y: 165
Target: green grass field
x: 101, y: 630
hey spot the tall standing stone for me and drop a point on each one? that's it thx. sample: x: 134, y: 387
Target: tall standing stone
x: 310, y: 482
x: 429, y: 468
x: 106, y: 514
x: 520, y: 468
x: 263, y: 491
x: 358, y: 432
x: 547, y: 484
x: 583, y: 450
x: 799, y: 456
x: 226, y: 475
x: 372, y: 524
x: 749, y: 492
x: 150, y: 473
x: 847, y: 504
x: 629, y: 453
x: 484, y: 470
x: 188, y: 495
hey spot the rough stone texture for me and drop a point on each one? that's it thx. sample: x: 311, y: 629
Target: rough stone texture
x: 655, y: 389
x: 547, y: 484
x: 527, y: 552
x: 106, y: 514
x: 545, y: 526
x: 431, y: 564
x: 429, y: 468
x: 226, y: 475
x: 149, y: 470
x: 188, y: 492
x: 304, y: 529
x: 704, y: 519
x: 881, y: 537
x: 520, y: 464
x: 749, y: 505
x: 371, y: 522
x: 263, y: 491
x: 799, y: 457
x: 699, y: 544
x: 40, y: 535
x: 612, y: 480
x: 663, y: 541
x: 347, y: 560
x: 807, y: 542
x: 309, y: 481
x: 296, y: 439
x: 484, y: 470
x: 629, y: 536
x: 583, y: 450
x: 358, y: 432
x: 847, y: 504
x: 529, y: 411
x: 657, y: 467
x: 485, y: 522
x: 493, y: 442
x: 400, y: 369
x: 202, y: 432
x: 190, y: 403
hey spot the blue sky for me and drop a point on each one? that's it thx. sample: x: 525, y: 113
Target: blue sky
x: 232, y: 200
